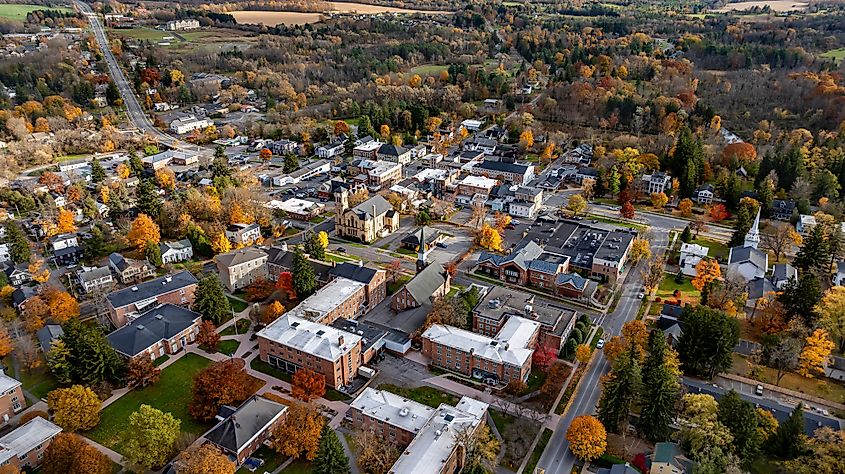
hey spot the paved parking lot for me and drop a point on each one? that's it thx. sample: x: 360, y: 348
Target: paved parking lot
x: 401, y: 371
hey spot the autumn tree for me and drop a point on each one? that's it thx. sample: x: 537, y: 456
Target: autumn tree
x: 6, y: 343
x: 76, y: 408
x: 543, y: 357
x: 205, y: 459
x: 143, y: 230
x: 526, y: 139
x: 583, y: 353
x: 285, y: 283
x: 374, y: 455
x: 817, y: 349
x: 149, y: 437
x: 627, y: 210
x: 308, y: 385
x: 166, y: 178
x: 685, y: 207
x: 824, y: 452
x: 718, y: 213
x: 779, y: 237
x: 65, y: 222
x: 831, y: 310
x: 220, y: 244
x: 140, y: 372
x: 331, y: 458
x: 68, y: 453
x: 208, y: 336
x: 489, y: 238
x: 640, y: 250
x: 659, y: 200
x: 221, y: 383
x: 265, y: 154
x: 576, y: 204
x: 706, y: 272
x: 299, y: 435
x: 587, y: 438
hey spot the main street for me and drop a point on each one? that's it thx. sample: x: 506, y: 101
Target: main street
x: 557, y: 458
x: 134, y: 112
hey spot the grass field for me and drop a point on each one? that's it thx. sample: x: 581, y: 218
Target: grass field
x: 836, y: 54
x: 819, y: 387
x: 428, y: 69
x: 426, y: 395
x: 38, y: 381
x: 237, y: 305
x: 668, y: 286
x: 228, y: 347
x: 172, y: 393
x: 243, y: 327
x: 144, y: 34
x: 18, y: 12
x: 718, y: 250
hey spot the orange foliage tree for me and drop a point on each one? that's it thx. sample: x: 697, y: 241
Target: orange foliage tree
x: 718, y: 213
x: 221, y: 383
x: 285, y: 283
x: 208, y: 335
x: 307, y: 385
x: 70, y: 454
x: 299, y: 434
x: 741, y: 151
x: 143, y: 230
x: 707, y: 271
x: 587, y: 438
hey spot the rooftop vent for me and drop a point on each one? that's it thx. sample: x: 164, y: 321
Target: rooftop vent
x: 294, y: 324
x: 449, y: 418
x: 159, y: 317
x: 320, y: 332
x: 403, y: 411
x: 134, y: 288
x: 141, y: 327
x: 168, y: 279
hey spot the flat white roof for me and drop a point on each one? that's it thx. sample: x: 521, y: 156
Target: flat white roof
x: 432, y: 446
x: 384, y: 167
x: 7, y: 383
x: 369, y: 146
x: 479, y: 181
x: 695, y: 249
x: 26, y: 437
x: 328, y: 298
x: 509, y: 346
x: 393, y: 409
x: 312, y: 338
x: 430, y: 173
x: 294, y: 205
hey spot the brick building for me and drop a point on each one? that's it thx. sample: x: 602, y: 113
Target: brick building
x: 341, y: 298
x: 165, y: 329
x: 243, y: 430
x: 176, y: 289
x: 12, y: 400
x: 24, y: 446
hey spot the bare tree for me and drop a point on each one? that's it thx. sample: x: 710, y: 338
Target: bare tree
x: 779, y: 237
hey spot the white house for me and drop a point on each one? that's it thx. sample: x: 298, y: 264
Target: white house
x: 839, y: 276
x: 472, y: 125
x: 188, y: 124
x: 691, y: 254
x: 656, y: 182
x: 805, y: 224
x: 181, y: 25
x: 330, y: 150
x: 178, y: 251
x: 4, y: 253
x: 243, y: 234
x: 704, y: 194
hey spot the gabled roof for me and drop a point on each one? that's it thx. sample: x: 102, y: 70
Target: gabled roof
x: 573, y: 279
x: 359, y: 273
x: 176, y: 245
x: 7, y: 383
x: 426, y: 282
x: 94, y: 274
x: 48, y: 334
x: 784, y: 272
x: 747, y: 254
x: 758, y: 287
x: 521, y: 256
x: 157, y: 324
x: 376, y: 204
x: 431, y: 235
x: 503, y: 166
x: 26, y: 437
x: 391, y: 149
x: 118, y: 261
x: 543, y: 266
x: 240, y: 256
x: 252, y: 418
x: 151, y: 289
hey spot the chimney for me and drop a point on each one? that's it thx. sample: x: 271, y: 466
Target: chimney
x: 339, y: 340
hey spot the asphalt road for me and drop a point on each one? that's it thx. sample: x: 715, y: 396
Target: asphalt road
x: 136, y: 114
x: 557, y: 458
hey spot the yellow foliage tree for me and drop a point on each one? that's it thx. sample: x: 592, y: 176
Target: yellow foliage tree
x: 659, y: 200
x: 526, y: 139
x: 123, y: 171
x: 583, y: 353
x: 205, y: 459
x: 143, y: 230
x: 685, y: 207
x: 62, y: 305
x: 323, y: 236
x: 105, y: 194
x: 707, y: 271
x: 274, y: 310
x: 166, y: 178
x: 384, y: 131
x: 587, y: 438
x: 37, y: 270
x: 76, y: 408
x: 220, y: 244
x: 65, y: 222
x: 239, y: 216
x: 815, y: 354
x: 640, y: 249
x: 415, y: 80
x: 299, y: 434
x: 489, y: 238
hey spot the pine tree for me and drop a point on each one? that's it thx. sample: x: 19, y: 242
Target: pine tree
x: 331, y: 459
x: 18, y: 244
x: 305, y: 281
x: 688, y: 161
x: 686, y: 235
x: 149, y: 202
x: 210, y: 301
x: 741, y: 419
x: 97, y: 172
x: 787, y: 442
x: 744, y: 220
x: 365, y: 127
x: 619, y: 392
x: 314, y: 248
x: 135, y: 164
x: 152, y: 252
x: 813, y: 254
x: 613, y: 184
x: 659, y: 391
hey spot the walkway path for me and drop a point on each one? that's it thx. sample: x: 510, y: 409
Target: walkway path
x: 448, y: 385
x: 113, y: 455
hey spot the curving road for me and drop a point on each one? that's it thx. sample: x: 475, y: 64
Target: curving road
x: 136, y: 114
x: 557, y: 458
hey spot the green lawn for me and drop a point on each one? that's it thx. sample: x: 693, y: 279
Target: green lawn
x: 243, y: 327
x: 536, y: 380
x: 228, y: 347
x: 38, y: 381
x: 237, y: 305
x: 837, y: 54
x: 818, y: 387
x: 668, y: 286
x: 428, y: 69
x: 333, y: 257
x: 18, y: 12
x: 426, y: 395
x: 620, y: 222
x: 718, y: 250
x: 538, y: 450
x: 144, y: 34
x: 394, y: 286
x: 172, y: 393
x: 271, y: 458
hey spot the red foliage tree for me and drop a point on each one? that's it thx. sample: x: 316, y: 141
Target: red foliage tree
x: 627, y: 210
x: 742, y: 151
x: 150, y: 75
x: 259, y: 290
x: 208, y: 335
x: 543, y: 357
x: 221, y: 383
x: 718, y: 213
x: 307, y: 385
x: 285, y: 283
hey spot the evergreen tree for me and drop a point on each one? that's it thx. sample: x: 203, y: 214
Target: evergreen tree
x: 613, y: 184
x: 732, y: 191
x: 97, y: 172
x: 152, y: 252
x: 331, y: 459
x: 92, y: 358
x: 365, y: 127
x: 18, y: 244
x: 741, y: 419
x: 291, y: 163
x: 659, y: 392
x: 313, y: 247
x: 813, y: 253
x: 707, y: 341
x: 619, y: 392
x: 600, y: 186
x: 59, y: 361
x: 135, y: 164
x: 149, y: 202
x: 688, y: 162
x: 305, y: 282
x: 799, y: 298
x: 112, y: 93
x: 744, y: 221
x: 94, y: 246
x: 767, y: 195
x: 210, y: 301
x: 686, y: 235
x: 788, y: 440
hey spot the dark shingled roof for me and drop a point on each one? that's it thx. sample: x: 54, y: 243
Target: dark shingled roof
x: 354, y: 272
x: 151, y: 289
x: 253, y: 417
x: 157, y: 324
x: 423, y: 285
x: 502, y: 166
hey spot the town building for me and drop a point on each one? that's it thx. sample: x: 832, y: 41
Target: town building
x: 24, y: 447
x: 669, y: 459
x: 177, y: 251
x: 782, y: 209
x: 280, y: 259
x: 165, y: 329
x: 66, y: 249
x: 240, y: 432
x: 367, y: 151
x: 182, y: 25
x: 392, y: 417
x: 124, y: 305
x: 243, y: 234
x: 746, y: 260
x: 704, y: 194
x: 291, y: 343
x: 805, y: 224
x: 377, y: 175
x: 394, y: 153
x: 18, y: 274
x: 500, y: 304
x: 429, y: 284
x: 48, y: 335
x: 129, y: 270
x: 239, y: 268
x: 295, y: 208
x: 330, y: 150
x: 515, y: 173
x: 341, y: 298
x: 366, y: 222
x: 431, y: 235
x: 496, y: 360
x: 373, y: 279
x: 12, y: 400
x: 95, y: 279
x: 656, y: 182
x: 188, y: 124
x: 304, y: 173
x: 474, y: 188
x: 690, y: 255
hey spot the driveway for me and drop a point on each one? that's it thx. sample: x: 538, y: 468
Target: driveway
x: 401, y: 371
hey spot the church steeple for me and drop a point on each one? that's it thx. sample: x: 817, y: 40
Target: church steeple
x: 752, y: 238
x: 421, y: 264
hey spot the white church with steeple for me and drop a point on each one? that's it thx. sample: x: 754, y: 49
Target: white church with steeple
x: 747, y: 260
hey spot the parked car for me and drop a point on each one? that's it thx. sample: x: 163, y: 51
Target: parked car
x: 341, y: 250
x: 600, y: 344
x: 758, y: 390
x: 442, y: 245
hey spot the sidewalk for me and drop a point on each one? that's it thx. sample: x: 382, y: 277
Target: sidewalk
x: 510, y: 408
x: 113, y: 455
